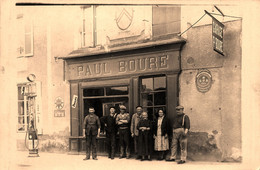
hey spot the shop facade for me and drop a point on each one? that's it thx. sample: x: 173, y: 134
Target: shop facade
x: 146, y: 76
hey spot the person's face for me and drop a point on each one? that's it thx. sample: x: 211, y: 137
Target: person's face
x: 139, y: 110
x: 179, y: 111
x: 122, y: 110
x: 160, y: 113
x: 112, y: 110
x: 91, y: 111
x: 145, y: 116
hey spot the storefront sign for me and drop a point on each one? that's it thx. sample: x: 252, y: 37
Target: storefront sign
x: 124, y: 66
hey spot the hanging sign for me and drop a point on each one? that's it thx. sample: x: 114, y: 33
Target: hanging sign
x: 217, y: 36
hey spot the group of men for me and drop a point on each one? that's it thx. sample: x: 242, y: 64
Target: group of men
x: 123, y: 124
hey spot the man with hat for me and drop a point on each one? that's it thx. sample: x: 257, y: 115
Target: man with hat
x: 110, y: 126
x: 123, y: 120
x: 181, y: 126
x: 91, y: 131
x: 134, y: 131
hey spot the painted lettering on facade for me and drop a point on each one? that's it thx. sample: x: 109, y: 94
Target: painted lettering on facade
x: 143, y: 64
x: 123, y: 66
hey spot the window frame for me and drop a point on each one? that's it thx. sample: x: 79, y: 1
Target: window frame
x: 22, y: 48
x: 25, y: 111
x: 153, y: 93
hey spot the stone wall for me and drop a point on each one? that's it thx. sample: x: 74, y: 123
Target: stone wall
x: 216, y: 112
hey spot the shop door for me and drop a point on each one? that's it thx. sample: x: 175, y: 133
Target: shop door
x: 107, y: 106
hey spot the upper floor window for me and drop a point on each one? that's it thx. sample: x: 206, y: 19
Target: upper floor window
x: 24, y: 37
x: 88, y: 33
x: 166, y: 20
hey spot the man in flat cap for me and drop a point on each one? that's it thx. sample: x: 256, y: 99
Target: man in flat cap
x: 181, y: 126
x: 111, y: 129
x: 123, y: 121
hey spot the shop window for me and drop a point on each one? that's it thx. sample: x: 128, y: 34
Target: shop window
x: 105, y: 91
x: 93, y: 92
x: 116, y: 91
x: 166, y: 20
x: 153, y: 94
x: 23, y: 117
x: 24, y: 37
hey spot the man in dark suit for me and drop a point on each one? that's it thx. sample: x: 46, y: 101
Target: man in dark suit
x: 91, y: 131
x: 110, y: 126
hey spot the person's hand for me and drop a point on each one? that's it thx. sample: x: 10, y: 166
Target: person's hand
x: 132, y: 134
x: 105, y: 125
x: 154, y: 136
x: 98, y: 135
x: 166, y: 136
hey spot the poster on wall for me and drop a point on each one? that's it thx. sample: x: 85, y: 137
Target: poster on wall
x: 74, y: 101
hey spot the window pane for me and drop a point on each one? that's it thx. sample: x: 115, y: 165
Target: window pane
x: 150, y: 113
x: 160, y: 98
x: 20, y: 108
x: 21, y: 120
x: 147, y: 85
x: 28, y: 44
x: 20, y: 95
x: 21, y: 127
x: 159, y: 83
x: 93, y: 92
x: 116, y: 90
x: 147, y: 99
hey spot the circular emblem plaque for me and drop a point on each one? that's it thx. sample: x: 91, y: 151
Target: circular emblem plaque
x: 203, y: 81
x: 124, y: 18
x: 59, y: 103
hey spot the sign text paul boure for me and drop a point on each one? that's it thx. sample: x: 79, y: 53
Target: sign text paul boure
x: 121, y: 66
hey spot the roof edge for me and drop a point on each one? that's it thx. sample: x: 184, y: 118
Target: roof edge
x: 84, y: 52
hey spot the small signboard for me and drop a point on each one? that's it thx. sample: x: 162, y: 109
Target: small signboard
x: 74, y: 101
x: 59, y: 113
x: 217, y: 36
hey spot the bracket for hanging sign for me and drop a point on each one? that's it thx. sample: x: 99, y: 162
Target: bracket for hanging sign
x: 217, y: 34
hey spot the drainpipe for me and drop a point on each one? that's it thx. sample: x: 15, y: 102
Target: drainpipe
x: 179, y: 74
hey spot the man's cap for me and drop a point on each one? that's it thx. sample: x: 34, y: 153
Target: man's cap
x: 179, y: 107
x: 122, y: 107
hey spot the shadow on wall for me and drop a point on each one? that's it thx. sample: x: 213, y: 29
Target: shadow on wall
x: 57, y: 142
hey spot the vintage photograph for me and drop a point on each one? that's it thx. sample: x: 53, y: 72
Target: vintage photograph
x: 123, y: 85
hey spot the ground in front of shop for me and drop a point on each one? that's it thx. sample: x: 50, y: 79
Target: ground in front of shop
x: 55, y: 161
